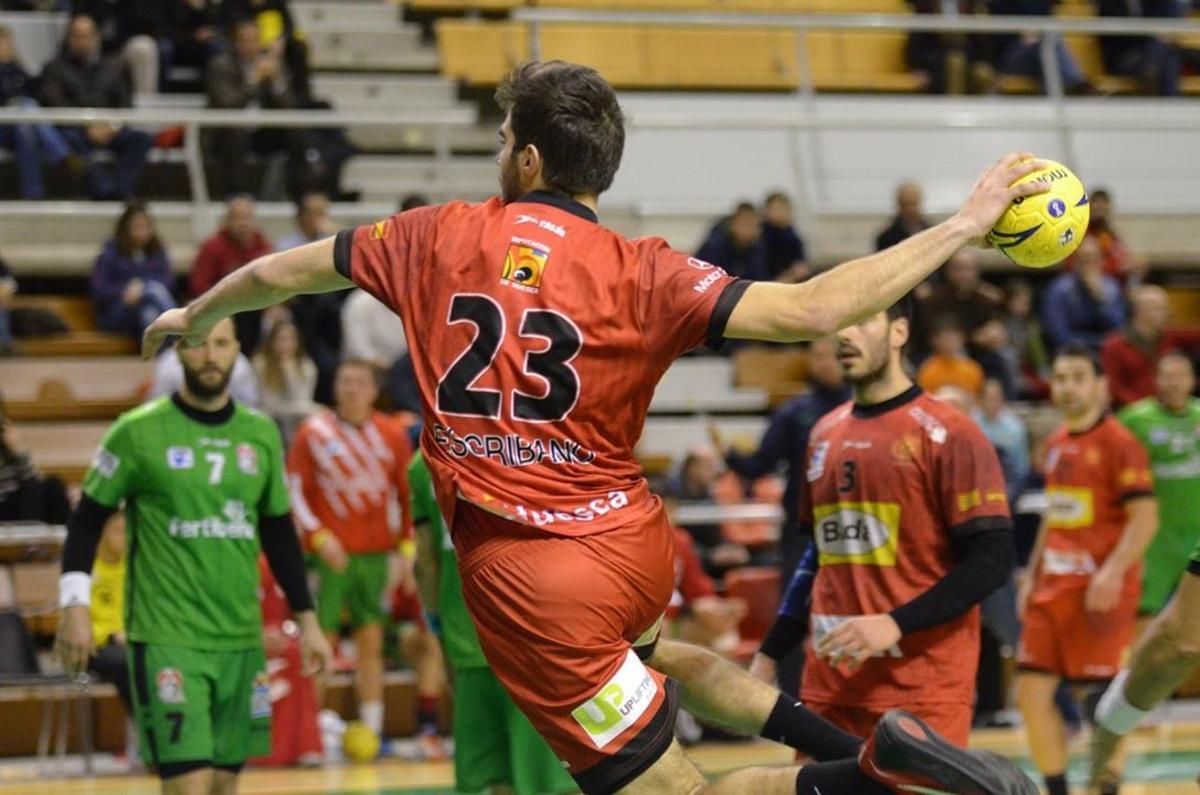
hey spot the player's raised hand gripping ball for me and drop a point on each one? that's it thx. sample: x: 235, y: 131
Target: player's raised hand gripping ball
x: 1042, y: 230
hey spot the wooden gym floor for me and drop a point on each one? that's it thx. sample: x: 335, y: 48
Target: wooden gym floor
x: 1164, y: 760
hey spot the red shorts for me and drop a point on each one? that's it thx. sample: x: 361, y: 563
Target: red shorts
x: 558, y: 618
x: 952, y: 721
x: 1060, y: 637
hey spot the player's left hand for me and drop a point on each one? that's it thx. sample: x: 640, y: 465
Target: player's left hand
x: 314, y: 648
x: 1104, y: 590
x: 858, y: 639
x: 172, y: 323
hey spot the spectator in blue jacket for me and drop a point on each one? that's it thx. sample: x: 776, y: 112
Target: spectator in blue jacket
x: 28, y: 142
x: 1083, y: 305
x: 736, y: 244
x: 132, y: 281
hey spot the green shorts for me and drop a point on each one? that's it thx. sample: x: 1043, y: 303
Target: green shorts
x: 200, y: 706
x: 1162, y: 569
x: 359, y: 589
x: 494, y: 742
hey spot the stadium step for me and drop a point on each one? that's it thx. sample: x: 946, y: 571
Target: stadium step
x: 376, y: 91
x: 73, y: 388
x: 395, y: 48
x: 344, y: 15
x: 388, y: 177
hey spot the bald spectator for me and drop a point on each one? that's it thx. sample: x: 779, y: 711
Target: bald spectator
x: 1130, y: 356
x: 1083, y: 306
x: 237, y: 242
x: 962, y: 295
x: 82, y: 77
x: 909, y: 217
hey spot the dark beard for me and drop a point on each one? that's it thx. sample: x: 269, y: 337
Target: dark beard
x: 510, y: 182
x: 202, y: 390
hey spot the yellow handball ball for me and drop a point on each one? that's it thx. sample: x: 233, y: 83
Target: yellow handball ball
x: 1042, y: 230
x: 360, y: 743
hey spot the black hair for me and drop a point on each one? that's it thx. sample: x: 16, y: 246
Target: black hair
x: 1076, y: 350
x: 904, y: 308
x: 571, y: 114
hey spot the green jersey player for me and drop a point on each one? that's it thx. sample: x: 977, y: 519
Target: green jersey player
x: 202, y: 482
x: 1168, y: 426
x: 494, y: 743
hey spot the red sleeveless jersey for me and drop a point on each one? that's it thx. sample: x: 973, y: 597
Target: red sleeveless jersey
x: 885, y: 485
x: 1089, y: 476
x: 537, y: 339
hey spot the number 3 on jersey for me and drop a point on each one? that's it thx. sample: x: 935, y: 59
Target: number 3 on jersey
x: 456, y: 393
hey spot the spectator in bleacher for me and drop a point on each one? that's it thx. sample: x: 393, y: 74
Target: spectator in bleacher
x: 962, y: 294
x: 312, y: 222
x: 1130, y: 356
x: 8, y: 288
x: 1020, y: 53
x: 699, y: 614
x: 412, y: 201
x: 909, y: 217
x: 238, y: 241
x: 695, y: 483
x: 1006, y: 431
x: 1082, y: 306
x: 989, y: 345
x: 275, y: 24
x: 195, y: 35
x: 1026, y: 349
x: 82, y: 77
x: 28, y: 142
x: 736, y: 244
x: 26, y: 495
x: 371, y: 331
x: 251, y: 76
x: 287, y: 378
x: 785, y: 248
x: 949, y: 364
x: 1152, y: 60
x: 168, y: 378
x: 950, y: 62
x: 131, y: 30
x: 132, y: 282
x: 1119, y: 262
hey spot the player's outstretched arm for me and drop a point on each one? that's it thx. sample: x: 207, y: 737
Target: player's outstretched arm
x: 861, y: 288
x: 266, y: 281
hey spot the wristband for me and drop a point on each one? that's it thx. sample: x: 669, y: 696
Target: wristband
x: 319, y: 537
x: 434, y: 622
x: 407, y: 548
x: 74, y: 588
x: 1116, y: 714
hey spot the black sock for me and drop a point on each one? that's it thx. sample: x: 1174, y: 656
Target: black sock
x: 841, y: 777
x: 795, y: 725
x: 1057, y: 785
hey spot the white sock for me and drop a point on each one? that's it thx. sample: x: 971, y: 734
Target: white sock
x: 371, y: 713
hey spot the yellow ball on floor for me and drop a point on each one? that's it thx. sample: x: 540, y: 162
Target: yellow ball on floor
x: 360, y: 743
x: 1042, y: 230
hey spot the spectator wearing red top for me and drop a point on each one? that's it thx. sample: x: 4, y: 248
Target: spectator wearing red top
x: 1119, y: 262
x: 702, y: 616
x: 1130, y: 356
x: 237, y: 242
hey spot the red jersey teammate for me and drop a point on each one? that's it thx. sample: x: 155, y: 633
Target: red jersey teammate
x: 905, y: 499
x: 538, y: 336
x: 1080, y: 599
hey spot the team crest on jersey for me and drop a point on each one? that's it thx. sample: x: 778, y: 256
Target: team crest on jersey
x: 260, y: 696
x: 524, y: 265
x: 170, y: 686
x: 180, y: 458
x: 247, y: 459
x: 381, y: 229
x: 106, y: 463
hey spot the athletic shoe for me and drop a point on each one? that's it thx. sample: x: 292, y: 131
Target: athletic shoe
x: 905, y: 754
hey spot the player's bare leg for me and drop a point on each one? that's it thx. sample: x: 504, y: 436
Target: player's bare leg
x: 197, y: 782
x: 368, y: 679
x: 714, y: 689
x: 224, y: 782
x: 1045, y: 729
x: 1164, y: 658
x: 675, y: 774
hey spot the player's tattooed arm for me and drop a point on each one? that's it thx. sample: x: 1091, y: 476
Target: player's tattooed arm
x: 864, y: 287
x: 268, y: 280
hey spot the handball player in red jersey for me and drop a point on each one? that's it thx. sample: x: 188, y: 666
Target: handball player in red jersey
x: 538, y: 336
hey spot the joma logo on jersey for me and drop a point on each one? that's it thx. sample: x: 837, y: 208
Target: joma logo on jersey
x: 524, y: 265
x: 619, y: 704
x: 857, y: 532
